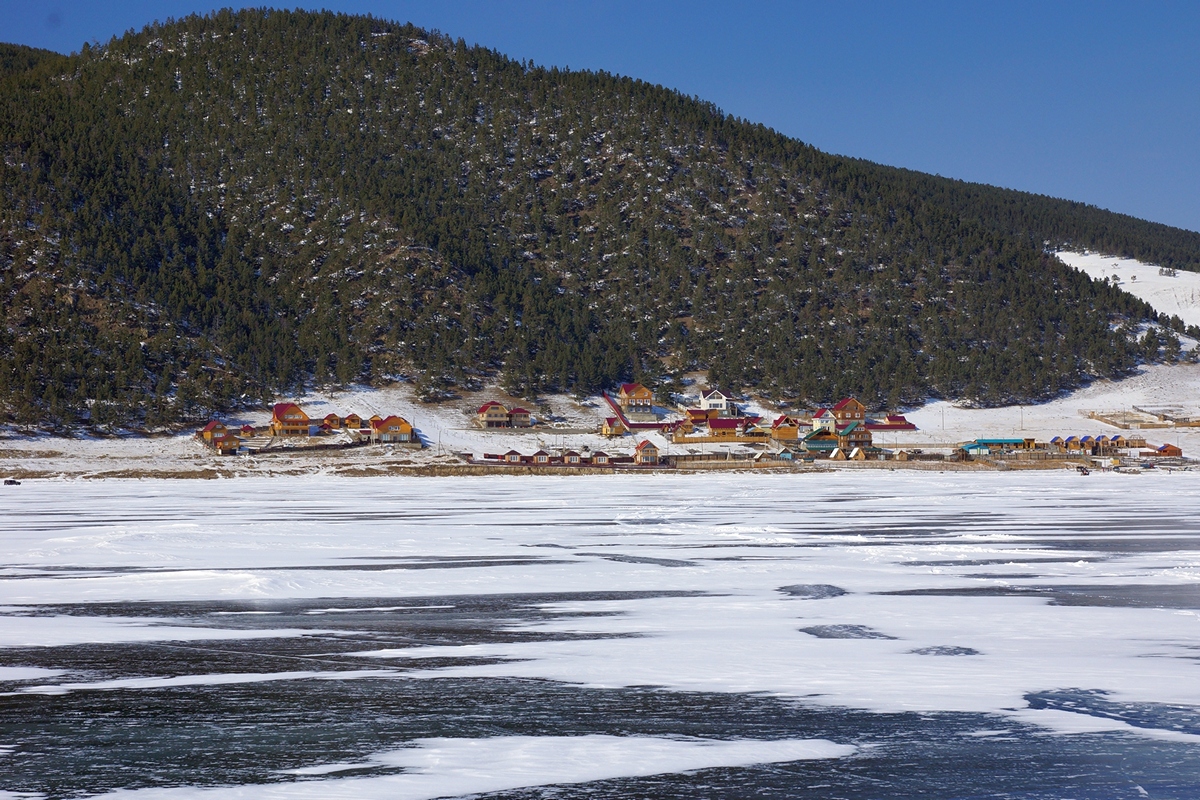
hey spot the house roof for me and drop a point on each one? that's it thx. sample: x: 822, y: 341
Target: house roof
x: 378, y: 424
x: 849, y: 426
x: 489, y: 404
x: 541, y: 453
x: 611, y: 421
x: 331, y: 415
x: 599, y: 454
x: 630, y: 388
x: 823, y: 414
x: 282, y: 408
x: 247, y: 429
x: 519, y: 411
x: 728, y: 423
x: 644, y: 444
x: 512, y: 453
x: 783, y: 419
x: 845, y: 402
x: 212, y: 426
x: 707, y: 393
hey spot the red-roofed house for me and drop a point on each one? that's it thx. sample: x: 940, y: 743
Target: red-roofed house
x: 849, y: 410
x: 492, y: 415
x: 211, y: 431
x: 646, y: 453
x: 288, y: 419
x: 613, y: 427
x: 391, y: 430
x: 892, y: 422
x: 785, y: 428
x: 519, y: 418
x: 633, y: 397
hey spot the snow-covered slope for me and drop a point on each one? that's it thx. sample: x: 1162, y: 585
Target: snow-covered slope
x: 1177, y: 295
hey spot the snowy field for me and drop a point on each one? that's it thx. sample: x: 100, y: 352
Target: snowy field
x: 832, y: 635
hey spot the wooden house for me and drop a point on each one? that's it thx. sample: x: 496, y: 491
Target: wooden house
x: 353, y: 422
x: 821, y: 441
x: 226, y: 444
x: 633, y: 397
x: 492, y: 415
x: 512, y: 457
x: 393, y: 429
x: 519, y: 418
x: 571, y: 458
x: 212, y: 431
x: 726, y: 428
x: 849, y: 410
x: 1164, y: 451
x: 613, y: 427
x: 333, y: 421
x: 248, y: 430
x: 856, y: 434
x: 541, y: 457
x: 600, y: 458
x: 288, y: 419
x: 785, y: 428
x: 646, y: 453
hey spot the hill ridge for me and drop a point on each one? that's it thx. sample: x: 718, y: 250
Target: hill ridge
x: 216, y: 209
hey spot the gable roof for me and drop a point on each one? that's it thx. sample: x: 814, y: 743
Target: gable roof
x: 212, y: 426
x: 489, y: 404
x: 823, y: 413
x: 282, y: 408
x: 707, y: 393
x: 725, y: 423
x: 379, y: 424
x: 630, y: 388
x: 519, y: 411
x: 645, y: 443
x: 845, y: 402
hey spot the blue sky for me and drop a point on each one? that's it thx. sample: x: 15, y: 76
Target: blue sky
x: 1098, y: 102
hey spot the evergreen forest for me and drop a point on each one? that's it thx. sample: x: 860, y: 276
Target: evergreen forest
x: 215, y: 211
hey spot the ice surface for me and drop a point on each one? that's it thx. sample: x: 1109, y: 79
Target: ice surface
x: 692, y: 584
x: 456, y: 767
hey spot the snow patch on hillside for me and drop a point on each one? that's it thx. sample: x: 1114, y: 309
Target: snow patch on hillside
x: 1174, y: 295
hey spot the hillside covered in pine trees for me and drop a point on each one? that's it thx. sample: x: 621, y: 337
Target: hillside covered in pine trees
x: 216, y: 210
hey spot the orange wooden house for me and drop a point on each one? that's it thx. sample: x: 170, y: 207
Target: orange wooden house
x: 391, y: 430
x: 288, y: 419
x: 635, y: 397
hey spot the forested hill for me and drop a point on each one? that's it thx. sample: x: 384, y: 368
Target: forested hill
x: 222, y: 208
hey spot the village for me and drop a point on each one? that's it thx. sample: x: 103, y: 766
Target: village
x: 710, y: 429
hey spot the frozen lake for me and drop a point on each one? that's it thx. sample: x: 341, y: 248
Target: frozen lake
x: 840, y: 635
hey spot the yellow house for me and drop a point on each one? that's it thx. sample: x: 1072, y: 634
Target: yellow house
x: 212, y: 431
x: 635, y: 397
x: 646, y: 453
x: 613, y: 427
x: 288, y: 419
x: 392, y: 429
